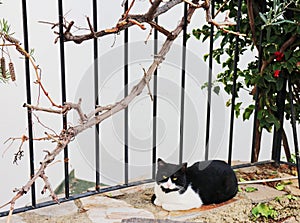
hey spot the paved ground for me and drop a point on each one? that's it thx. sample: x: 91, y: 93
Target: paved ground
x: 107, y: 208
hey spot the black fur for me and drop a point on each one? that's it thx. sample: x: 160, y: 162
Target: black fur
x: 214, y: 181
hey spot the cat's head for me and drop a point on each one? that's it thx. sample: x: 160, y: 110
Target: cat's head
x: 171, y: 177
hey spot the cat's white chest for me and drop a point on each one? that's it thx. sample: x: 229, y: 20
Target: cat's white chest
x: 175, y: 201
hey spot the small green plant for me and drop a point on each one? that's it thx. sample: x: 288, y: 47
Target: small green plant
x: 281, y: 186
x: 293, y: 158
x: 250, y: 189
x: 4, y: 26
x: 242, y: 179
x: 263, y: 210
x: 291, y: 197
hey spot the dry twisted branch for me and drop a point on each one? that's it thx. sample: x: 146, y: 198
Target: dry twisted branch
x: 87, y: 121
x: 125, y: 22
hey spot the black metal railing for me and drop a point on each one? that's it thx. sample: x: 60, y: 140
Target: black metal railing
x: 67, y: 196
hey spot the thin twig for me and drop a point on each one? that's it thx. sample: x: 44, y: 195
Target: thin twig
x: 149, y: 35
x: 137, y: 23
x: 42, y: 124
x: 220, y: 9
x: 90, y: 26
x: 49, y: 110
x: 126, y: 13
x: 54, y: 138
x: 192, y: 4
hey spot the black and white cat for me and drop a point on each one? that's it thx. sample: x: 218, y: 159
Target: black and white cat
x: 179, y: 187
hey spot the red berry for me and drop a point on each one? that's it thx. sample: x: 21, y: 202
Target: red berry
x: 276, y: 73
x: 279, y: 56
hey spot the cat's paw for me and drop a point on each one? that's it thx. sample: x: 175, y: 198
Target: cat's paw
x: 153, y: 198
x: 157, y: 202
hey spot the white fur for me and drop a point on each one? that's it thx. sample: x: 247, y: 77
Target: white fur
x: 173, y: 201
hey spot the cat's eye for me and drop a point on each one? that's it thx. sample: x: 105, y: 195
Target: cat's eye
x: 164, y: 177
x: 174, y: 178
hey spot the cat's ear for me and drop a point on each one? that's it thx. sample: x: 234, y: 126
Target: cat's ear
x: 184, y: 167
x: 160, y: 163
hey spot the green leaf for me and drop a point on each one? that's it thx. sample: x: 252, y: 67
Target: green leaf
x: 4, y: 26
x: 262, y: 16
x: 298, y: 29
x: 228, y: 103
x: 282, y: 21
x: 239, y: 189
x: 292, y: 197
x: 237, y: 109
x: 205, y: 85
x: 216, y: 89
x: 250, y: 189
x: 270, y: 79
x: 242, y: 179
x: 218, y: 34
x: 261, y: 114
x: 263, y: 210
x: 188, y: 35
x: 205, y: 56
x: 280, y: 187
x: 248, y: 111
x: 293, y: 159
x: 197, y: 33
x: 279, y: 84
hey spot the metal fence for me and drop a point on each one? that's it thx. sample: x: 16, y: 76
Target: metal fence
x: 67, y: 197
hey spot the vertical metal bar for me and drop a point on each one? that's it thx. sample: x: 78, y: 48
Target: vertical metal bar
x: 280, y: 104
x: 293, y: 121
x: 154, y: 113
x: 28, y: 95
x: 96, y: 96
x: 63, y: 90
x: 208, y: 109
x: 126, y: 54
x: 233, y: 91
x: 183, y: 64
